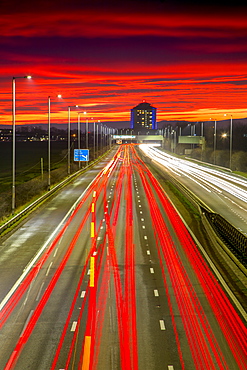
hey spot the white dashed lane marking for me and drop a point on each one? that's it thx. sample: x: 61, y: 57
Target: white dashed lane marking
x: 73, y: 327
x: 162, y: 325
x: 83, y: 294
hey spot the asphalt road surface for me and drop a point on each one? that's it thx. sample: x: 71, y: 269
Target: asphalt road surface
x: 115, y: 282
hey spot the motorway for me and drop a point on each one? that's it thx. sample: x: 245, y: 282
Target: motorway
x: 113, y: 282
x: 223, y: 192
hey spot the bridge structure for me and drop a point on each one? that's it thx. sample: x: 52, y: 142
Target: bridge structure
x: 140, y: 139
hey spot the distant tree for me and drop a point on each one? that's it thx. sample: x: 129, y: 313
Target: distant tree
x: 239, y: 137
x: 196, y: 153
x: 239, y: 161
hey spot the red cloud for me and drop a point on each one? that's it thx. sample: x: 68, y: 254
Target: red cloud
x: 110, y: 24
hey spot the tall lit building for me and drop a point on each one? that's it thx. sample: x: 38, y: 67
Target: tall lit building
x: 143, y: 116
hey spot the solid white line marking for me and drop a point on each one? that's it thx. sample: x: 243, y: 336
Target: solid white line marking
x: 83, y: 294
x: 48, y: 270
x: 156, y: 292
x: 151, y: 270
x: 73, y: 327
x: 148, y: 252
x: 162, y: 325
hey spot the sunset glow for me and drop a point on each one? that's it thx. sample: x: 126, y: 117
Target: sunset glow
x: 190, y: 65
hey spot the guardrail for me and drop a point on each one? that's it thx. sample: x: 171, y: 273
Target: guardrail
x: 229, y: 234
x: 232, y: 237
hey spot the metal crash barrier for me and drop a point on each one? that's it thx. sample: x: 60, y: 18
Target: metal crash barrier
x: 232, y: 237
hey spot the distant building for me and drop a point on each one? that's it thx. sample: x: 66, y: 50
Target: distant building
x: 143, y: 116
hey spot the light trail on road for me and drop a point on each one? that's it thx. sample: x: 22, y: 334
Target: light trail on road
x: 109, y: 290
x: 203, y: 344
x: 211, y: 179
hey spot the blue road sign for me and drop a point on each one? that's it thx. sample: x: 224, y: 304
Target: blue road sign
x: 81, y: 155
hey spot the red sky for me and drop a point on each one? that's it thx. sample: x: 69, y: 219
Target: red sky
x: 188, y: 61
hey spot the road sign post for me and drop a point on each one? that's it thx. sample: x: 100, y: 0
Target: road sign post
x: 81, y: 155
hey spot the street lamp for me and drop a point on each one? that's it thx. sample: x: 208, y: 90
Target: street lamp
x: 79, y: 134
x: 13, y: 139
x: 86, y: 133
x: 69, y: 107
x: 215, y: 136
x: 230, y: 162
x: 230, y: 155
x: 49, y: 140
x: 94, y: 139
x: 97, y: 128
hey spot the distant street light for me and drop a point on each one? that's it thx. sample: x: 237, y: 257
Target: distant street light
x: 98, y: 138
x: 49, y: 140
x: 69, y: 107
x: 230, y: 148
x: 215, y: 137
x: 79, y: 134
x: 230, y: 162
x: 94, y: 140
x: 13, y: 139
x: 86, y: 132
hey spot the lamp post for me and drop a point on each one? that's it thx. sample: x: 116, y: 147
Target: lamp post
x: 86, y: 133
x: 230, y: 162
x: 230, y: 143
x: 97, y: 128
x: 49, y: 140
x: 13, y: 139
x: 79, y: 137
x: 215, y: 137
x: 69, y: 107
x: 94, y: 139
x: 101, y: 139
x: 79, y: 134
